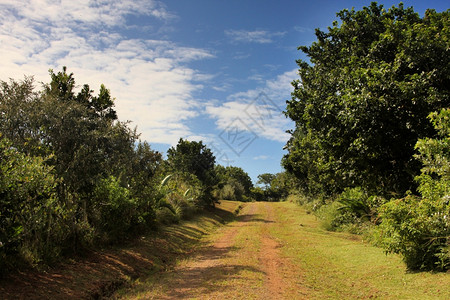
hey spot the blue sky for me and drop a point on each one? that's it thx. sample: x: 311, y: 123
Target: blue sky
x: 216, y: 71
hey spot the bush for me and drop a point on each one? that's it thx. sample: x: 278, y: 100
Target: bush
x: 334, y: 218
x: 29, y: 210
x: 357, y: 202
x: 166, y: 216
x: 418, y: 229
x: 117, y: 211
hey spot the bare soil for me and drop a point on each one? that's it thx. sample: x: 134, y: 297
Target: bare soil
x: 99, y: 274
x: 238, y: 260
x: 242, y: 261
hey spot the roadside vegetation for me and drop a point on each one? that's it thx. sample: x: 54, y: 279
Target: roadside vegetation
x: 369, y: 155
x: 73, y: 177
x: 370, y: 152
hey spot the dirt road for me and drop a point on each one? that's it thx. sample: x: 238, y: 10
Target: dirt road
x: 241, y: 261
x: 269, y: 251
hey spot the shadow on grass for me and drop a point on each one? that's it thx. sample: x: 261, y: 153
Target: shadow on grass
x: 203, y: 281
x: 245, y: 218
x: 98, y: 274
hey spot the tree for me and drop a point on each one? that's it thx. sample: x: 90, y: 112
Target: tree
x: 194, y: 158
x: 282, y: 185
x: 266, y: 179
x: 21, y: 115
x: 82, y: 131
x: 233, y: 183
x: 363, y: 100
x: 419, y: 227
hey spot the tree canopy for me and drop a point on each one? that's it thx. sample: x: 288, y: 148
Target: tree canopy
x: 362, y: 101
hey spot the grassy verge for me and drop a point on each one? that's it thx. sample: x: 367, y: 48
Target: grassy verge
x: 101, y: 273
x: 217, y: 268
x: 341, y: 266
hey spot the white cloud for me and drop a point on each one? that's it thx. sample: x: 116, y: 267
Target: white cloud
x: 256, y: 36
x: 149, y: 78
x: 258, y: 110
x: 261, y: 157
x: 302, y: 29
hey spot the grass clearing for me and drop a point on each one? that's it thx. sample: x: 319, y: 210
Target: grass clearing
x: 342, y: 266
x: 268, y: 251
x: 223, y: 264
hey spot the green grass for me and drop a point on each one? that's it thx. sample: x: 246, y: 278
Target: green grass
x: 317, y: 264
x: 342, y: 266
x: 175, y: 243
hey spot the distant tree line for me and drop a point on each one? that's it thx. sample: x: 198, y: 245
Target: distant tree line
x: 371, y: 141
x: 74, y: 177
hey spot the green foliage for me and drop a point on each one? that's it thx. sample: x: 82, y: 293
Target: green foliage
x: 29, y: 209
x: 72, y: 174
x: 181, y: 195
x: 233, y: 183
x: 334, y: 218
x: 233, y: 190
x: 192, y: 157
x: 362, y: 102
x: 115, y: 208
x: 419, y: 228
x: 276, y: 187
x: 359, y: 203
x: 435, y: 156
x: 196, y: 159
x: 73, y: 177
x: 352, y: 210
x: 266, y: 180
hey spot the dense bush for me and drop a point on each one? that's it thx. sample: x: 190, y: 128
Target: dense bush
x: 116, y: 211
x: 30, y: 213
x: 419, y: 227
x: 72, y: 176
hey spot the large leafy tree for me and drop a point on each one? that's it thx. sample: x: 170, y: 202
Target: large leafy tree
x: 82, y: 131
x: 21, y: 115
x: 194, y: 158
x: 363, y: 99
x: 228, y: 173
x: 233, y: 183
x: 266, y: 180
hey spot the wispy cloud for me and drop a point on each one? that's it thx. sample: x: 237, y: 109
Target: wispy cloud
x: 302, y: 29
x: 241, y: 55
x: 261, y: 157
x: 256, y: 36
x: 258, y: 110
x: 150, y: 79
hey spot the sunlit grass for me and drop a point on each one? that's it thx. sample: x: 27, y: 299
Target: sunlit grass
x: 319, y: 264
x: 342, y: 266
x: 177, y: 243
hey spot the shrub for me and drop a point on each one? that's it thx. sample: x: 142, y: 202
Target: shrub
x: 419, y: 228
x: 117, y: 211
x: 359, y: 203
x: 166, y: 216
x: 29, y: 210
x: 334, y: 218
